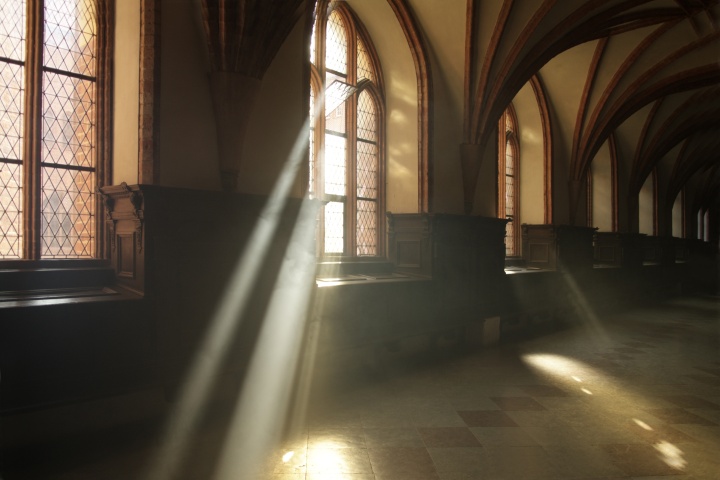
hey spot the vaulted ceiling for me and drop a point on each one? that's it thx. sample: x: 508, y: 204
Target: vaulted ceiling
x: 644, y: 73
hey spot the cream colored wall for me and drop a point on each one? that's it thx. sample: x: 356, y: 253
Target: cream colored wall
x: 677, y: 215
x: 443, y: 24
x: 601, y: 169
x: 126, y: 92
x: 564, y: 87
x: 401, y: 102
x: 646, y: 207
x: 532, y: 161
x: 188, y: 143
x: 278, y: 120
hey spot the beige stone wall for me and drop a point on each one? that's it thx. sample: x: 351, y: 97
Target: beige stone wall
x: 126, y: 92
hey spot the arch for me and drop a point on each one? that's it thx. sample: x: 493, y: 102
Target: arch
x: 508, y: 201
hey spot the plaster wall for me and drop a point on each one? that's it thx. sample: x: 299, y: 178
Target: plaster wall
x: 443, y: 24
x: 278, y: 120
x: 532, y: 162
x: 188, y: 141
x: 677, y: 216
x: 646, y: 207
x: 401, y: 103
x: 126, y: 92
x: 601, y: 169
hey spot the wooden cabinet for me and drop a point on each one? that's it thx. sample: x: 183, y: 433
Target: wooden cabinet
x: 558, y: 247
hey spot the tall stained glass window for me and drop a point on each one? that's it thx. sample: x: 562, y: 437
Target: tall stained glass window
x: 48, y: 158
x: 346, y: 142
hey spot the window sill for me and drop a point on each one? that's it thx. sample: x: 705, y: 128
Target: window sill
x: 24, y: 275
x: 64, y: 296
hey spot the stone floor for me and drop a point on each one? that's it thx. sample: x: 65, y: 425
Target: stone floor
x: 632, y: 395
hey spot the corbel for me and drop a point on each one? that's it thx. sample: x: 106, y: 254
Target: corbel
x: 136, y: 200
x: 109, y: 203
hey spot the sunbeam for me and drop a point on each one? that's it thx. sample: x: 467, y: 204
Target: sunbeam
x: 260, y: 413
x: 228, y: 317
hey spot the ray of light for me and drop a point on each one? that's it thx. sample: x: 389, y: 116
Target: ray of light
x: 227, y: 319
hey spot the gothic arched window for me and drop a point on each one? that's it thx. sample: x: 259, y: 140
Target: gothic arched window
x: 347, y: 142
x: 508, y: 184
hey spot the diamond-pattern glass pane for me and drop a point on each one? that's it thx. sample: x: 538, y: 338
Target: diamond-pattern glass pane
x: 366, y: 227
x: 68, y: 219
x: 70, y: 35
x: 509, y: 158
x: 311, y: 179
x: 510, y: 238
x: 335, y: 119
x: 364, y: 66
x: 12, y: 29
x: 367, y: 170
x: 12, y: 96
x: 367, y: 124
x: 336, y: 44
x: 68, y: 120
x: 10, y: 210
x: 509, y: 196
x: 335, y: 148
x: 334, y: 227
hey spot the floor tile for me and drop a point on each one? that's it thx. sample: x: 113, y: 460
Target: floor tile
x: 446, y: 437
x: 393, y: 438
x: 397, y: 462
x: 503, y: 436
x: 517, y: 403
x: 690, y: 401
x: 543, y: 391
x: 463, y: 459
x: 531, y: 462
x: 678, y: 415
x: 338, y: 460
x: 337, y: 438
x: 638, y: 460
x: 487, y: 418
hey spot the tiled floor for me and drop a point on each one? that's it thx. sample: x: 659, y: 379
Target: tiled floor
x: 636, y: 395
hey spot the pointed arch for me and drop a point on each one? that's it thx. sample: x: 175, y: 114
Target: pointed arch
x: 347, y: 161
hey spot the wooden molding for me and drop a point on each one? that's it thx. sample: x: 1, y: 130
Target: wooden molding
x: 149, y: 108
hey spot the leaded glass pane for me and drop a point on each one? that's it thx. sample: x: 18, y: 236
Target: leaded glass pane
x: 366, y: 227
x: 10, y: 210
x: 509, y: 159
x: 12, y: 96
x: 68, y: 120
x: 70, y: 34
x: 336, y: 45
x: 335, y: 119
x: 311, y: 179
x: 366, y: 117
x: 367, y: 170
x: 68, y: 220
x: 12, y: 29
x: 364, y: 66
x: 334, y: 227
x: 509, y: 196
x: 510, y: 238
x: 335, y: 154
